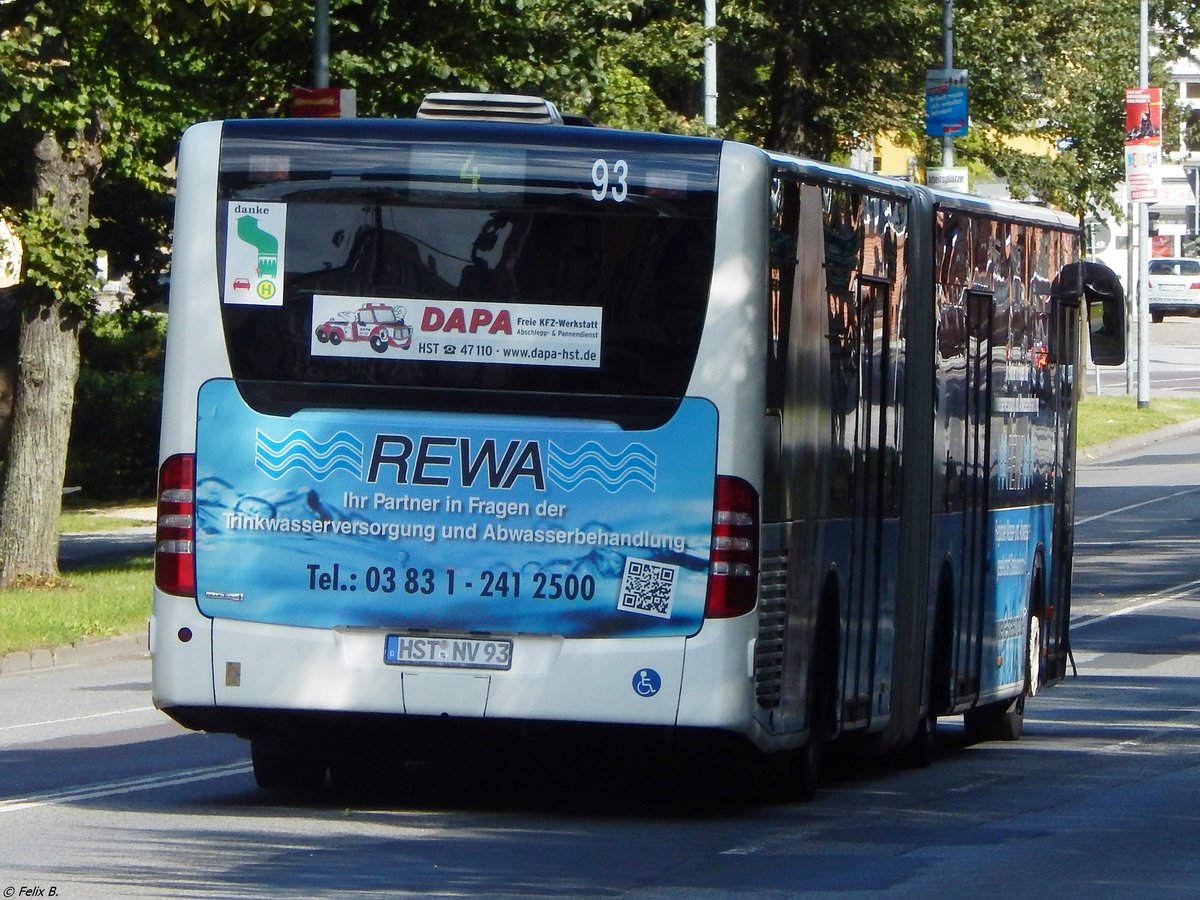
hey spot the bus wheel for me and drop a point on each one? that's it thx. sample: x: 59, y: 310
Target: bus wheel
x: 1004, y: 721
x: 280, y: 766
x: 1033, y: 664
x: 922, y: 749
x: 369, y: 773
x: 794, y: 775
x: 805, y: 775
x: 1001, y: 721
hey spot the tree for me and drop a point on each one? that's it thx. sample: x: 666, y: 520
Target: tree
x: 816, y: 78
x: 83, y: 88
x: 1055, y: 72
x: 94, y: 96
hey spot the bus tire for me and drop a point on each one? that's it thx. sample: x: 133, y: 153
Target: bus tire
x: 922, y: 749
x: 797, y: 773
x: 1002, y: 721
x: 367, y: 773
x: 802, y: 766
x: 281, y: 767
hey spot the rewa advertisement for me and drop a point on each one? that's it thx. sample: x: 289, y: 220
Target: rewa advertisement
x: 408, y: 521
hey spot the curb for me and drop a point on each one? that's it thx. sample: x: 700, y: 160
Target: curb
x: 130, y: 645
x: 88, y: 650
x: 1104, y: 452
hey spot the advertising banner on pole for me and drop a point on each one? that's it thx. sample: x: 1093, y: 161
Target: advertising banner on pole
x: 1143, y: 143
x: 946, y: 102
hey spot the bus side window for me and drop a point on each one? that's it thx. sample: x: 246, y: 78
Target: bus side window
x: 785, y: 217
x: 782, y: 237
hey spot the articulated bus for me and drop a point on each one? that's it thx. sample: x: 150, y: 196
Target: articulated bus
x: 480, y: 429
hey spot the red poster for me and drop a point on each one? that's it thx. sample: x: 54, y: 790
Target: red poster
x: 1143, y: 116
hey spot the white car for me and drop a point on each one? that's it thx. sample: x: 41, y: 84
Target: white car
x: 1174, y: 287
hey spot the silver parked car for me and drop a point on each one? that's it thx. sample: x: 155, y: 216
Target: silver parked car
x: 1174, y: 287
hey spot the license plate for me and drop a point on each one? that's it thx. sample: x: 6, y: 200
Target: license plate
x: 449, y: 652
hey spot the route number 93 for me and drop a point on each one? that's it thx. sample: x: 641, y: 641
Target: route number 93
x: 610, y: 181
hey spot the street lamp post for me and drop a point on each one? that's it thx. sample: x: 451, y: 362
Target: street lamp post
x: 1143, y: 393
x: 948, y: 57
x: 710, y: 64
x: 321, y: 45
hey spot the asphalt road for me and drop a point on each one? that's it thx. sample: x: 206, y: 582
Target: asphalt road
x: 101, y: 796
x: 92, y: 548
x: 1173, y: 359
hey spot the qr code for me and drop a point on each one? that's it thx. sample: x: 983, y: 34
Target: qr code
x: 648, y: 588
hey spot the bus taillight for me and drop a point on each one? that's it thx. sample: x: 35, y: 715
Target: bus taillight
x: 733, y: 576
x: 174, y: 542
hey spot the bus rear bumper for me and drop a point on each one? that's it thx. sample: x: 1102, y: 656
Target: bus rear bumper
x: 229, y: 669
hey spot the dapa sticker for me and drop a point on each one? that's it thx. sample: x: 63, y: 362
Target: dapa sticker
x: 445, y: 331
x: 254, y: 241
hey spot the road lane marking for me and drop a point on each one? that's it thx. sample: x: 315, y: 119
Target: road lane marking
x: 124, y: 786
x: 1113, y: 512
x: 1158, y: 598
x: 100, y: 715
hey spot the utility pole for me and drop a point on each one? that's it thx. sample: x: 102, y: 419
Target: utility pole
x: 1143, y: 394
x: 948, y: 62
x: 321, y: 45
x: 710, y: 65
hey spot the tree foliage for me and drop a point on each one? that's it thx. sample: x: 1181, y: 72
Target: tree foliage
x: 87, y: 91
x: 93, y: 97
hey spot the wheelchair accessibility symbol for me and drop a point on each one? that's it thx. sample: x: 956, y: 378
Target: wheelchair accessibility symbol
x: 647, y: 682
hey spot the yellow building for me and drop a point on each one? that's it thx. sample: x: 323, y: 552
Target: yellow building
x: 896, y: 161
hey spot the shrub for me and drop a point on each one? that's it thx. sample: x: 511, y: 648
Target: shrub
x: 113, y: 453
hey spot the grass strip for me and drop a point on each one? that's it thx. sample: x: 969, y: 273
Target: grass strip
x: 1106, y: 418
x: 99, y: 601
x: 115, y: 598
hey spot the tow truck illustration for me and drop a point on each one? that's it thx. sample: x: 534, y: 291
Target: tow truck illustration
x: 378, y: 323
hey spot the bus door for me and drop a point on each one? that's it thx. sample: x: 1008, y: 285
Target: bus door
x: 1062, y: 380
x: 976, y: 531
x: 795, y: 458
x: 872, y: 553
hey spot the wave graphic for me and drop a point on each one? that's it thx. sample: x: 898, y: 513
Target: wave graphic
x: 636, y: 464
x: 300, y: 450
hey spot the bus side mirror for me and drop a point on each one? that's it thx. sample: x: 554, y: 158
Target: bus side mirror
x: 1104, y: 304
x: 1098, y: 289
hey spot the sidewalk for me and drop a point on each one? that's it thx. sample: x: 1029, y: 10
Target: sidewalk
x: 79, y: 547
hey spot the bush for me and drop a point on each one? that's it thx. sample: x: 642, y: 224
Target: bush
x: 113, y: 453
x: 126, y: 341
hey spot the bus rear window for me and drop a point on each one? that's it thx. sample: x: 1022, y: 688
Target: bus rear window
x: 443, y: 260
